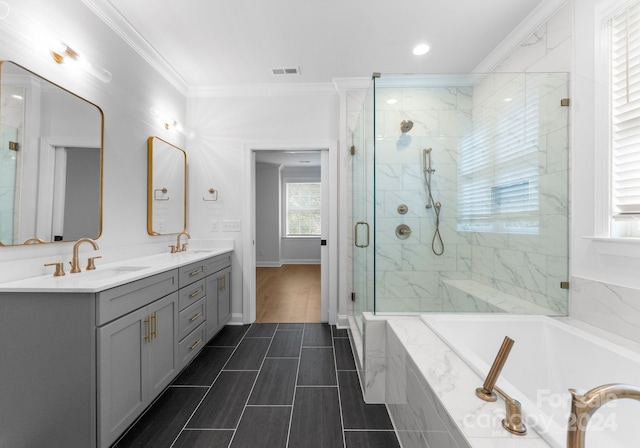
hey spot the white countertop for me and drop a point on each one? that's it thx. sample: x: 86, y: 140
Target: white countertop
x: 110, y: 275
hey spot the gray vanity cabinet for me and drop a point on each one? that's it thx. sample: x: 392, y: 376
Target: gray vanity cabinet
x: 218, y: 301
x: 77, y: 368
x: 137, y: 359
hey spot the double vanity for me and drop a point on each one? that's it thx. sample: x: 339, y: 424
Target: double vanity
x: 83, y: 355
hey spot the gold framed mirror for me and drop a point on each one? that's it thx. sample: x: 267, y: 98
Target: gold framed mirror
x: 166, y: 187
x: 51, y: 153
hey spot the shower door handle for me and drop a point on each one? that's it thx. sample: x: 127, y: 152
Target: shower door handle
x: 355, y: 238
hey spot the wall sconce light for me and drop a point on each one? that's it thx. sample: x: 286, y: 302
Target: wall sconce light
x: 63, y: 54
x: 167, y: 121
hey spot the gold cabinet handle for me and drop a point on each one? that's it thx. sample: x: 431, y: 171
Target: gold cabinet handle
x: 147, y: 320
x: 195, y: 293
x: 196, y: 317
x: 223, y: 283
x: 196, y: 272
x: 154, y: 322
x: 196, y: 344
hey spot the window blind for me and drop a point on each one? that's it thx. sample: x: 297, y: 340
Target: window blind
x: 498, y: 162
x: 625, y: 112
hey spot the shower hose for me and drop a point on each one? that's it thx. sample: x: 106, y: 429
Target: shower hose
x: 437, y: 238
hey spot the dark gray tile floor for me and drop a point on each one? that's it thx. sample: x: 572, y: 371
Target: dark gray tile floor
x: 266, y: 385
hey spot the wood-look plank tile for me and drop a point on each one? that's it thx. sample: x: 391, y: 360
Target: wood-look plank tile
x: 356, y: 413
x: 316, y: 419
x: 276, y: 382
x: 249, y: 354
x: 339, y: 332
x: 289, y: 326
x: 286, y: 344
x: 344, y: 355
x: 162, y: 423
x: 263, y: 427
x: 317, y: 335
x: 317, y: 367
x: 229, y: 336
x: 223, y: 405
x: 371, y: 439
x: 258, y: 330
x: 205, y: 367
x: 210, y: 438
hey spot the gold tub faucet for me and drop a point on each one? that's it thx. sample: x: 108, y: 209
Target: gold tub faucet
x: 513, y: 421
x: 583, y: 407
x: 75, y: 262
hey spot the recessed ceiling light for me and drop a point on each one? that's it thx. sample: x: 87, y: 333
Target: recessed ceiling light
x: 421, y: 49
x: 392, y: 101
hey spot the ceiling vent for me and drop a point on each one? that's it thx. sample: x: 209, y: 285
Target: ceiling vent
x: 285, y: 71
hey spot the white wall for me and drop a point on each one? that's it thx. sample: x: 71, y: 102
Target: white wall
x: 125, y: 101
x: 223, y: 128
x: 605, y: 285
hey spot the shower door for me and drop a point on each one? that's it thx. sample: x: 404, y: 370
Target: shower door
x: 363, y: 212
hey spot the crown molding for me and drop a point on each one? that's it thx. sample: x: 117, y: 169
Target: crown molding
x: 527, y: 27
x: 343, y: 84
x: 114, y: 20
x: 257, y: 90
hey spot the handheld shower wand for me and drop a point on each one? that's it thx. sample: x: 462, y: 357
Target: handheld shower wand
x: 427, y: 171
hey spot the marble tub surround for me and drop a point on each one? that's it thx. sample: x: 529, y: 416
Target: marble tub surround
x: 112, y: 271
x: 608, y: 306
x: 429, y: 395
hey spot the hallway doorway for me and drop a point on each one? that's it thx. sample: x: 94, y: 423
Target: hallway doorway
x: 288, y: 293
x: 288, y: 255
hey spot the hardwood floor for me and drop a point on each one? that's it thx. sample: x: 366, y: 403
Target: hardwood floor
x: 290, y: 293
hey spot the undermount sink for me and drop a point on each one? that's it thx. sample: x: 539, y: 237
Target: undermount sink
x: 112, y: 271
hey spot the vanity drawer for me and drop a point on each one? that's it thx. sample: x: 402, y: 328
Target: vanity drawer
x: 121, y: 300
x: 191, y: 294
x: 218, y: 263
x: 191, y: 273
x: 190, y: 318
x: 190, y: 346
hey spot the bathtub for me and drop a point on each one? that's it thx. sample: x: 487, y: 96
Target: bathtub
x: 547, y: 359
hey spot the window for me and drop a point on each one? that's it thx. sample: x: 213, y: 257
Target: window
x: 498, y: 162
x: 624, y: 138
x: 302, y: 209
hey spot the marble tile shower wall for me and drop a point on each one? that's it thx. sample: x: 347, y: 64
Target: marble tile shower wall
x: 409, y: 276
x: 408, y: 272
x: 531, y: 266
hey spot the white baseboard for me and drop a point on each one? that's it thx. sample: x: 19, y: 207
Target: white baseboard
x: 236, y: 319
x: 268, y: 264
x: 313, y: 261
x: 343, y: 321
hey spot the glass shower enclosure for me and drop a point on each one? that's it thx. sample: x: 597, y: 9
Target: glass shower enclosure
x: 460, y: 195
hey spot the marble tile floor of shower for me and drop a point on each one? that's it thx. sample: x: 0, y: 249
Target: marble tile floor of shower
x: 266, y: 385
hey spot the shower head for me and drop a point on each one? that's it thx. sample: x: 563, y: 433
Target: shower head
x: 406, y: 126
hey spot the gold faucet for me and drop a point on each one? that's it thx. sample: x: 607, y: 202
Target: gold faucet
x: 513, y: 420
x: 583, y: 407
x: 34, y: 240
x: 178, y: 246
x: 75, y: 262
x: 486, y: 391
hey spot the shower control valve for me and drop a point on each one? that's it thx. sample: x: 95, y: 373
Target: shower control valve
x: 403, y: 231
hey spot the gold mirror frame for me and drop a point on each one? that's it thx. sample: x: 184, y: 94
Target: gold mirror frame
x: 166, y: 187
x: 41, y: 214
